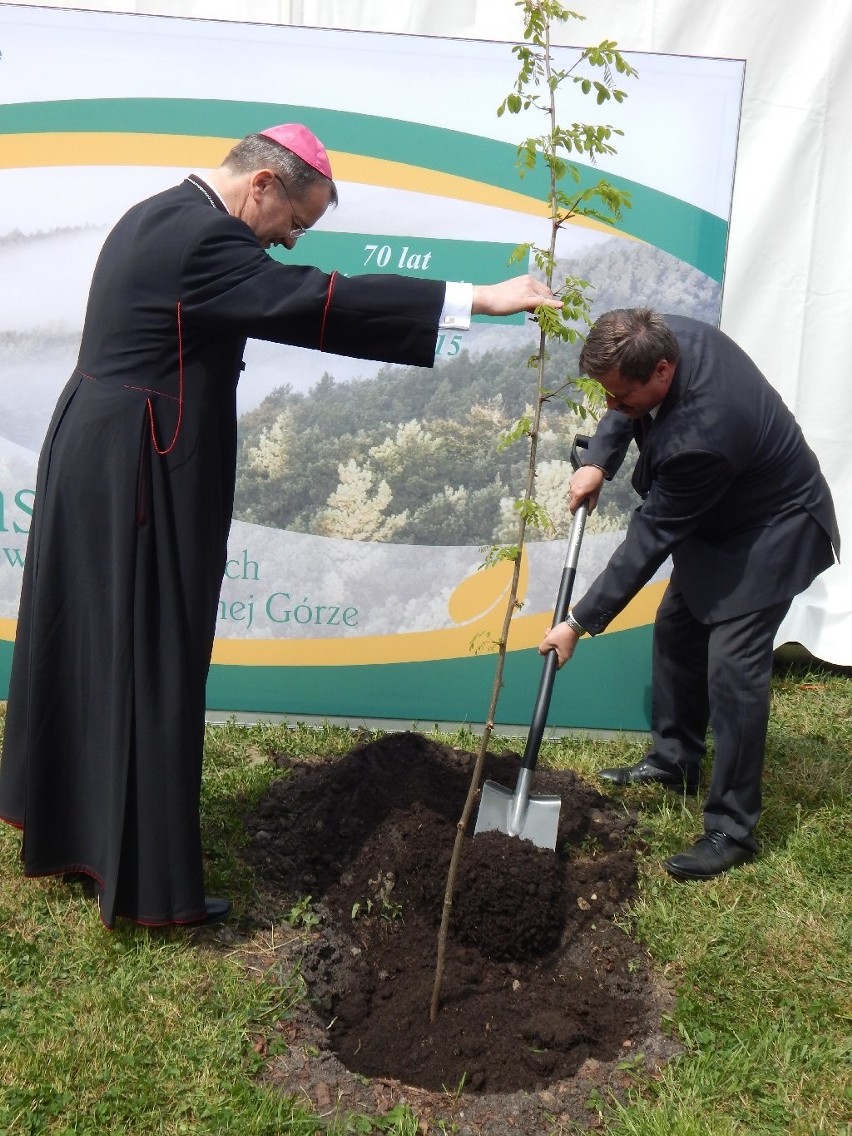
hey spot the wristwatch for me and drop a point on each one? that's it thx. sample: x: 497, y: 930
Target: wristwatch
x: 574, y: 625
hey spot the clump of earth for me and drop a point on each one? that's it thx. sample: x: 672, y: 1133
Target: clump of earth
x: 546, y: 1005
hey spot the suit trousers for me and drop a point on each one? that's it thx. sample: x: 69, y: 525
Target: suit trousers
x: 715, y: 674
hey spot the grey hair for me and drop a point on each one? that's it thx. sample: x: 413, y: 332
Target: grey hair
x: 631, y: 341
x: 255, y: 152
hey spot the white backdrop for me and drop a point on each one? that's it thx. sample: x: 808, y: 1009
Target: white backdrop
x: 788, y: 285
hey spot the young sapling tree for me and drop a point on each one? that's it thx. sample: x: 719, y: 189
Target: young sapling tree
x: 536, y: 88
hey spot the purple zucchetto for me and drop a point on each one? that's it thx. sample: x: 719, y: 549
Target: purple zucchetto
x: 301, y: 142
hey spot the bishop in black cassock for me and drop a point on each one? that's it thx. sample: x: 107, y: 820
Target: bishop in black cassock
x: 103, y: 744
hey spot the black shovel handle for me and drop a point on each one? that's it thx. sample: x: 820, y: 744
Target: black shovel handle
x: 581, y: 442
x: 563, y: 600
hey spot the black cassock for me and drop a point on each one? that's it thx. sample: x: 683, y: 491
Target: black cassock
x: 102, y: 756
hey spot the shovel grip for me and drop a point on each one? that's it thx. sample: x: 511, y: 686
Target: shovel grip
x: 581, y: 442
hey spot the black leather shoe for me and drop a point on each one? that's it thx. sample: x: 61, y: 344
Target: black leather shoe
x: 711, y: 855
x: 217, y: 910
x: 645, y: 772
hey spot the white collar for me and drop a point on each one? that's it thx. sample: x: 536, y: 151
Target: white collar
x: 208, y: 191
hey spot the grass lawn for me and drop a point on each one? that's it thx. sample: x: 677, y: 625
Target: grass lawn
x: 162, y: 1032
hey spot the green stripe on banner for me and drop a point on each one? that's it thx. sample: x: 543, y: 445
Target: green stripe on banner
x: 454, y: 690
x: 434, y: 259
x: 691, y: 234
x: 427, y: 257
x: 5, y: 666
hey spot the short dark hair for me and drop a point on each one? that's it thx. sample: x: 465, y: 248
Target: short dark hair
x: 255, y: 152
x: 631, y: 341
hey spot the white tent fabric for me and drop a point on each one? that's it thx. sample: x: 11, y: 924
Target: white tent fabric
x: 788, y: 285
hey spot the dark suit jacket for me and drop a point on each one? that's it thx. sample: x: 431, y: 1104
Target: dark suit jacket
x: 732, y: 492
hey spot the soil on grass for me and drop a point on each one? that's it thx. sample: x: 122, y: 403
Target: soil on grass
x: 546, y: 1004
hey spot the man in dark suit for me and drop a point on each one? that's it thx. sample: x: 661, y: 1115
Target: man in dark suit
x: 732, y: 492
x: 105, y: 725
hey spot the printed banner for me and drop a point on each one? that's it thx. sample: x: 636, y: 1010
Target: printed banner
x: 367, y: 495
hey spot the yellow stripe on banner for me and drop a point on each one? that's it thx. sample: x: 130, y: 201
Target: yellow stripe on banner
x: 418, y: 179
x: 415, y: 647
x: 184, y: 151
x: 101, y: 148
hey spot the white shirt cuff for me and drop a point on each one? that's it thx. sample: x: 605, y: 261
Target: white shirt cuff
x: 458, y: 302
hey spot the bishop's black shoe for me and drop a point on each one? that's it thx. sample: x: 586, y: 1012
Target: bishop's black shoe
x: 711, y: 855
x: 218, y: 911
x: 645, y: 772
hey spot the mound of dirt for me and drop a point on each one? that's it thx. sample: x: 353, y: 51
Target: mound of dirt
x: 545, y: 1001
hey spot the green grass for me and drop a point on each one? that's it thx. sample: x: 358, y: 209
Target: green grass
x: 142, y: 1032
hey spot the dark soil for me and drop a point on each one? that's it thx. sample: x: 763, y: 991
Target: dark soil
x: 546, y: 1004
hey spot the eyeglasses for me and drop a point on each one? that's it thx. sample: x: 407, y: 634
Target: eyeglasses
x: 298, y: 229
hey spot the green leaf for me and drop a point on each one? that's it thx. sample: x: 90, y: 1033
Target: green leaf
x: 521, y: 429
x: 497, y: 554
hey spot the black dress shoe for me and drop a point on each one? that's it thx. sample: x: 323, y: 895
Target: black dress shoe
x: 645, y: 772
x: 711, y: 855
x: 217, y: 911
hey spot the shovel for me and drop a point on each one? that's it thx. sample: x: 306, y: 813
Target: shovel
x: 536, y: 818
